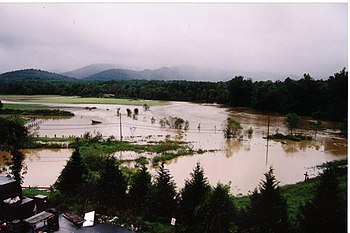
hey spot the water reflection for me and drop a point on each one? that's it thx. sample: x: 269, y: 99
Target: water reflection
x: 232, y: 146
x: 242, y: 162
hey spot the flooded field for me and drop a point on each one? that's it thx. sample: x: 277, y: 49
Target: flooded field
x: 240, y: 162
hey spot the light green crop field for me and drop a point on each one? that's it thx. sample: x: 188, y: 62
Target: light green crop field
x: 78, y: 100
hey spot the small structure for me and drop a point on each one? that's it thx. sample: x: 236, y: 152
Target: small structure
x: 38, y: 218
x: 12, y: 203
x: 74, y: 218
x: 108, y: 95
x: 41, y: 202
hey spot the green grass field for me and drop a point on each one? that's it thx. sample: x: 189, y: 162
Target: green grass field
x: 24, y: 106
x: 78, y: 100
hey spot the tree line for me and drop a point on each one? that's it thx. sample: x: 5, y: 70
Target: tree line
x: 323, y: 99
x: 149, y: 203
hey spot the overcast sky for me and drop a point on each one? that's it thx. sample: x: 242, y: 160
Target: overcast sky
x: 278, y: 38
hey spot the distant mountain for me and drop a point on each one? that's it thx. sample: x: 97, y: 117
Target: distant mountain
x: 33, y: 75
x: 190, y: 73
x: 89, y: 70
x: 114, y: 74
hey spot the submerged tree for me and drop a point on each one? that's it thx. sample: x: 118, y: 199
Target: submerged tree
x: 231, y: 127
x: 268, y: 209
x: 327, y: 211
x: 292, y: 121
x: 191, y: 197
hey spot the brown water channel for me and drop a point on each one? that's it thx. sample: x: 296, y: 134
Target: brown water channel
x: 240, y: 162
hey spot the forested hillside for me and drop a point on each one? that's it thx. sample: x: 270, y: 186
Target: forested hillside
x: 325, y: 99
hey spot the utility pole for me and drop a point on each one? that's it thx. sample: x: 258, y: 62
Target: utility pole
x: 120, y: 126
x: 267, y: 139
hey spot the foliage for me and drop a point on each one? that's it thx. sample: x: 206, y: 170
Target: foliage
x: 317, y: 126
x: 192, y: 196
x: 295, y: 137
x: 231, y: 128
x: 112, y: 184
x: 13, y: 133
x: 13, y: 137
x: 141, y: 190
x: 268, y: 208
x: 327, y: 211
x: 163, y: 203
x: 324, y: 99
x: 72, y: 176
x: 292, y: 121
x: 36, y: 112
x: 218, y: 213
x: 174, y: 123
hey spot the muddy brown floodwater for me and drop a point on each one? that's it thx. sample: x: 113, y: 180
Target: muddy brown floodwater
x: 241, y: 163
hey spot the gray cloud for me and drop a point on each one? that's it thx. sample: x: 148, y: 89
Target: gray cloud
x: 278, y: 38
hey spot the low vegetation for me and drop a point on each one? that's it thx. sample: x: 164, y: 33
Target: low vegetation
x: 85, y: 100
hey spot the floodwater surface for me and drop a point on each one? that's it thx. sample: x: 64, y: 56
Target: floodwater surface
x: 240, y: 162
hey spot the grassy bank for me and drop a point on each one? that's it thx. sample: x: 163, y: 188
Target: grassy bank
x: 79, y: 100
x: 302, y: 192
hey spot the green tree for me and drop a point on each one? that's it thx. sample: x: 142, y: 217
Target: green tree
x: 218, y: 213
x: 164, y: 196
x: 327, y: 211
x: 292, y: 121
x: 240, y: 91
x: 112, y: 184
x: 140, y: 190
x: 192, y: 195
x: 231, y: 127
x: 13, y: 137
x: 268, y: 209
x: 71, y: 178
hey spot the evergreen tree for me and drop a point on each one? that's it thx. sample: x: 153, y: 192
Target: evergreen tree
x: 192, y: 195
x: 71, y: 178
x: 218, y: 213
x: 164, y: 196
x: 268, y: 210
x: 327, y: 211
x: 112, y: 184
x: 140, y: 190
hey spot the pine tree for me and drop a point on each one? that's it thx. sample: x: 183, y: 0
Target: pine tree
x: 268, y: 210
x: 164, y: 196
x: 112, y: 184
x: 326, y: 212
x: 218, y: 213
x: 71, y: 178
x: 140, y: 190
x: 192, y: 196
